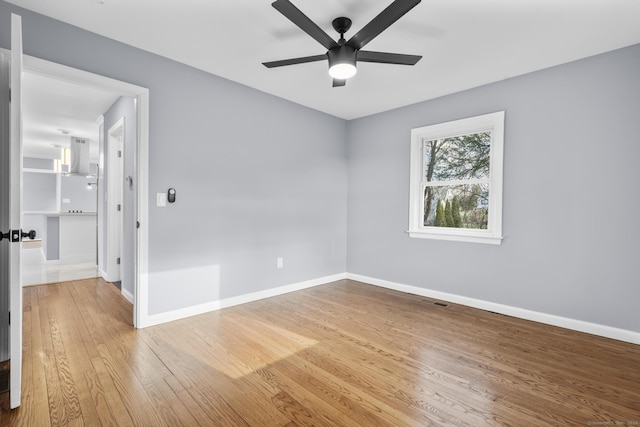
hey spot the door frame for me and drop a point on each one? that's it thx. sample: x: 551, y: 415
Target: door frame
x: 141, y: 169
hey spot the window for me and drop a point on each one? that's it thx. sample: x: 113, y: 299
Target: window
x: 456, y: 180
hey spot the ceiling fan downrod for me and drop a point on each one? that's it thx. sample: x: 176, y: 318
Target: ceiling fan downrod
x: 341, y: 25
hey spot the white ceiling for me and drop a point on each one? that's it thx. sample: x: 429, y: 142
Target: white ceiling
x: 464, y: 43
x: 50, y: 106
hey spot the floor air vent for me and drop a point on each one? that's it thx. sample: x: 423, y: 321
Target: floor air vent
x: 438, y: 303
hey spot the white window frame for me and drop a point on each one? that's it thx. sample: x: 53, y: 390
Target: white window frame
x: 494, y: 123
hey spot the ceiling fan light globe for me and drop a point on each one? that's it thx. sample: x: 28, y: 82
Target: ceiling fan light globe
x: 342, y: 71
x: 342, y: 62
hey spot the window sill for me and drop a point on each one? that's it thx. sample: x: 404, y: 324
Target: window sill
x: 456, y: 237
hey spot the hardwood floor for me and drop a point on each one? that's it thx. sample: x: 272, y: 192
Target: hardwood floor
x: 340, y: 354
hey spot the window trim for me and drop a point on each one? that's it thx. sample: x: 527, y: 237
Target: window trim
x: 493, y: 122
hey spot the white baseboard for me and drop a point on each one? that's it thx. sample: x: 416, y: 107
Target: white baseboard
x: 77, y: 259
x: 106, y: 277
x: 156, y: 319
x: 549, y: 319
x: 128, y: 295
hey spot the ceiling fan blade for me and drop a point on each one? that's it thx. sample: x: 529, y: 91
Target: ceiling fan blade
x: 338, y: 82
x: 304, y: 22
x: 387, y: 58
x: 294, y: 61
x: 391, y: 14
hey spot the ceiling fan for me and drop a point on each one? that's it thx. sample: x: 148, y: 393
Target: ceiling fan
x: 343, y: 54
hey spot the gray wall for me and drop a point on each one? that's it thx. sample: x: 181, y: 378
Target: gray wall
x: 257, y: 177
x: 570, y: 214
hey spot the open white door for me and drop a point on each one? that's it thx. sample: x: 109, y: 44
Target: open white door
x: 115, y: 168
x: 15, y: 208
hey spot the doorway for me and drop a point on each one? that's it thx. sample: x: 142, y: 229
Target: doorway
x: 61, y: 153
x: 137, y: 210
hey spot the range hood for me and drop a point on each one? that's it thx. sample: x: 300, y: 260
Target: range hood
x: 79, y: 159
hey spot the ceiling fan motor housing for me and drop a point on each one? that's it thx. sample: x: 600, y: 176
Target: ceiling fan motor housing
x: 342, y: 56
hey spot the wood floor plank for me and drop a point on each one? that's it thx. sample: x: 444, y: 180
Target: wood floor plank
x: 246, y: 384
x: 198, y: 374
x: 105, y: 389
x: 67, y: 385
x: 186, y: 408
x: 139, y: 405
x: 367, y: 406
x: 340, y: 354
x: 36, y: 387
x: 378, y: 381
x: 58, y: 410
x: 101, y: 407
x: 72, y: 329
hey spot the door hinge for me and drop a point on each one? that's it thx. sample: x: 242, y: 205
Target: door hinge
x: 137, y: 224
x: 119, y: 153
x: 118, y: 261
x: 119, y: 207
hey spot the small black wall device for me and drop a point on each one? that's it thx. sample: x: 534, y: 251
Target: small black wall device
x: 171, y: 195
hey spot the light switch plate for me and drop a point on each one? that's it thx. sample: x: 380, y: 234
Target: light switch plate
x: 161, y: 199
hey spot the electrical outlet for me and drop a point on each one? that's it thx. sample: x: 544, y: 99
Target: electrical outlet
x: 280, y: 262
